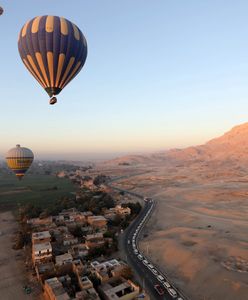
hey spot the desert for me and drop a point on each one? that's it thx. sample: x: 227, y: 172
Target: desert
x: 198, y: 232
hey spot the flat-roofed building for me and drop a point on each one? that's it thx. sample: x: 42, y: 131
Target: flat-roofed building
x: 63, y: 259
x: 118, y: 288
x: 41, y: 237
x: 94, y: 240
x: 103, y: 270
x: 97, y: 221
x: 40, y: 222
x: 53, y: 290
x: 89, y: 294
x: 79, y: 250
x: 41, y: 252
x: 69, y: 239
x: 85, y: 283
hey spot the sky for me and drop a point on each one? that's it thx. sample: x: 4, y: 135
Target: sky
x: 159, y: 74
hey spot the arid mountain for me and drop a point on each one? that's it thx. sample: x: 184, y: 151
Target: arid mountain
x: 232, y: 147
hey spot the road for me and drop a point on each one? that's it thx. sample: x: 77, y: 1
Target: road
x: 145, y: 275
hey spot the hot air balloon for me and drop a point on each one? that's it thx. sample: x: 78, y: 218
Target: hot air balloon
x: 54, y: 50
x: 1, y: 10
x: 19, y: 159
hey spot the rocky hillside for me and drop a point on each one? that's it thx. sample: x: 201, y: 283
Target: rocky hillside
x: 232, y: 147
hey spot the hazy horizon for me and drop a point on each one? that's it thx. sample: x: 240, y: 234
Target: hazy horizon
x: 158, y: 75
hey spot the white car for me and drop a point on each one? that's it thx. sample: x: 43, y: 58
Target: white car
x: 140, y: 257
x: 155, y: 272
x: 180, y: 298
x: 150, y: 266
x: 160, y: 278
x: 136, y: 251
x: 145, y: 262
x: 172, y: 292
x: 166, y: 285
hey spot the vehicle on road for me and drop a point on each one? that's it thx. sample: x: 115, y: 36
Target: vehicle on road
x: 150, y: 266
x: 140, y: 257
x: 136, y: 251
x: 145, y: 262
x: 155, y: 272
x: 166, y: 285
x: 179, y: 298
x: 128, y: 242
x: 159, y: 289
x: 160, y: 278
x: 172, y: 292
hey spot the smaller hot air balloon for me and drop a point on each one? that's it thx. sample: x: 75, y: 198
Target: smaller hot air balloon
x: 1, y: 10
x: 19, y: 159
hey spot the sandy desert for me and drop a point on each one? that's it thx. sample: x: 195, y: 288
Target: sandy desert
x: 198, y: 232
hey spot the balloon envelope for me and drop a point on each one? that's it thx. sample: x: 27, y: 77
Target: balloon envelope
x: 54, y: 50
x: 19, y: 159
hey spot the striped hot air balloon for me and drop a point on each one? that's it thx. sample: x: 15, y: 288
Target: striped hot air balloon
x: 54, y: 50
x: 19, y: 159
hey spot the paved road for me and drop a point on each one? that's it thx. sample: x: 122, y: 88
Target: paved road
x: 147, y: 278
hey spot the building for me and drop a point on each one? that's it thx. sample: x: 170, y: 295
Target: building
x: 79, y: 250
x: 123, y: 211
x: 41, y: 252
x: 118, y: 288
x: 41, y: 237
x: 77, y: 267
x: 85, y: 283
x: 89, y: 294
x: 117, y: 210
x: 44, y: 268
x: 94, y: 240
x: 35, y: 222
x: 104, y: 270
x: 71, y: 215
x: 99, y: 222
x: 53, y: 290
x: 63, y: 259
x: 69, y: 239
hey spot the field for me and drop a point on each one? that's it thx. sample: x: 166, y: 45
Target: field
x: 40, y: 190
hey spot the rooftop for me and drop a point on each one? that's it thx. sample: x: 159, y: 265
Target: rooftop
x: 42, y: 247
x: 97, y: 218
x: 57, y: 288
x: 41, y: 235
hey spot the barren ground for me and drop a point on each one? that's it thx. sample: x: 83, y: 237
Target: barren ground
x: 12, y: 272
x: 198, y: 232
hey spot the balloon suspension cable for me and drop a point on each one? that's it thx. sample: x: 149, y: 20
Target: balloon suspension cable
x: 53, y: 100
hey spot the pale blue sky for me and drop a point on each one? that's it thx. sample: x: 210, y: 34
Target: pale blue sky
x: 159, y: 74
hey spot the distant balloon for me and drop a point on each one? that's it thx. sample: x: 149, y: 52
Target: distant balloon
x: 19, y: 159
x: 54, y: 50
x: 1, y: 10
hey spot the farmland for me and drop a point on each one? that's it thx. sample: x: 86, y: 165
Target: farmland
x: 39, y: 190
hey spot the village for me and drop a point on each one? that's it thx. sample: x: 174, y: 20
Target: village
x: 74, y: 254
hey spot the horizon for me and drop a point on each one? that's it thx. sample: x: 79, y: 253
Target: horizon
x: 179, y: 82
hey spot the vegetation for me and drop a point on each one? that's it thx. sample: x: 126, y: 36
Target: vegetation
x: 37, y: 190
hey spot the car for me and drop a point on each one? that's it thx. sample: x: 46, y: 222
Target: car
x: 179, y: 298
x: 136, y: 251
x: 166, y: 285
x: 140, y: 257
x: 159, y: 289
x: 172, y: 292
x: 145, y: 262
x: 150, y: 266
x: 155, y: 272
x: 128, y: 242
x: 160, y: 278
